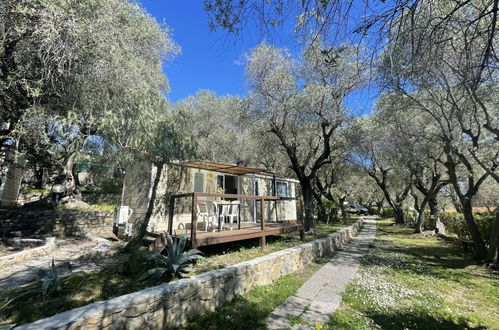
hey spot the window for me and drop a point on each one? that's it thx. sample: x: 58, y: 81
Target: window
x: 282, y: 189
x: 198, y: 182
x: 227, y: 183
x: 256, y: 189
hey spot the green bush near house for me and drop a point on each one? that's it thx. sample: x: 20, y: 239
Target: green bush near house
x: 373, y: 210
x: 455, y: 224
x: 388, y: 212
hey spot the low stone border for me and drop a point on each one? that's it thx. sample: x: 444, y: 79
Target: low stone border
x: 14, y: 258
x: 172, y: 304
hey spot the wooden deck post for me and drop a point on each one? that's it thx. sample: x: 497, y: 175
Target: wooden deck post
x: 262, y: 224
x: 194, y: 221
x: 302, y: 234
x: 171, y: 210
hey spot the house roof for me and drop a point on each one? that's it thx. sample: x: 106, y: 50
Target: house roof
x: 223, y: 168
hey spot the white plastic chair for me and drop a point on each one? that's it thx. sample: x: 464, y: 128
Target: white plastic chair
x: 233, y: 214
x: 213, y: 217
x: 204, y: 216
x: 223, y: 214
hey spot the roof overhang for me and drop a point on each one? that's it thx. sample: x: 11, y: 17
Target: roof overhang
x: 223, y: 168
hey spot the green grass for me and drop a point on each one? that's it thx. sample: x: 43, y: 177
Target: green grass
x: 250, y: 310
x: 91, y: 207
x: 27, y: 191
x: 408, y: 281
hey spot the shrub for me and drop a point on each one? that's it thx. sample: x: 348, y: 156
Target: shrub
x: 388, y: 212
x: 373, y: 210
x: 411, y: 217
x: 455, y: 224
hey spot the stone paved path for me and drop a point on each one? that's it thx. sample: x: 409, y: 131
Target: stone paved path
x: 320, y: 296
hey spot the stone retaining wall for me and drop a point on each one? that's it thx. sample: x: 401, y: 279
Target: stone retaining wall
x: 172, y: 304
x: 60, y: 223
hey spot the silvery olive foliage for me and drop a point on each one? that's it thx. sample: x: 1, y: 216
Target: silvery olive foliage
x: 68, y: 65
x: 443, y: 67
x: 299, y: 104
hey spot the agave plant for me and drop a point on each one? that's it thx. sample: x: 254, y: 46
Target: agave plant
x: 176, y: 263
x: 50, y: 278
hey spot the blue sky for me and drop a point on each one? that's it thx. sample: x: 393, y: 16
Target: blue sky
x: 209, y: 60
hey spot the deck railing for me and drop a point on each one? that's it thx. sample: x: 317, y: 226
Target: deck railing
x: 194, y: 200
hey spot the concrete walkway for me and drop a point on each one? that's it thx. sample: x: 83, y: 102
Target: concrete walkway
x: 319, y: 297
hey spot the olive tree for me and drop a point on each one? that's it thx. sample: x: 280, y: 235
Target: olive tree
x: 69, y: 63
x: 379, y: 155
x: 449, y: 75
x: 300, y: 103
x: 156, y: 133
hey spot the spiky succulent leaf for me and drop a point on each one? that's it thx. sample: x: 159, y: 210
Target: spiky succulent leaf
x: 170, y: 247
x: 194, y: 251
x: 181, y: 244
x: 40, y: 272
x: 159, y: 257
x: 156, y: 273
x: 46, y: 283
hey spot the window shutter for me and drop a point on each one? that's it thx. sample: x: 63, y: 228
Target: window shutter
x: 198, y: 182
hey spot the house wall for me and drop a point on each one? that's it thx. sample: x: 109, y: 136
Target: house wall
x: 11, y: 182
x: 139, y: 178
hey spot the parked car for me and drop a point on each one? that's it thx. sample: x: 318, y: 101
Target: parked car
x: 356, y: 209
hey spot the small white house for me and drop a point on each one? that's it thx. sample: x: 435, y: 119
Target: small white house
x: 211, y: 178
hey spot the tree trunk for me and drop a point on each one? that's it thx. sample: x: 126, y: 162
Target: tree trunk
x: 433, y: 204
x: 38, y: 177
x: 321, y: 212
x: 308, y: 205
x: 333, y: 215
x: 421, y: 218
x: 399, y: 214
x: 479, y: 244
x: 420, y: 224
x: 493, y: 253
x: 139, y: 234
x: 72, y: 183
x: 342, y: 206
x: 456, y: 203
x: 379, y: 204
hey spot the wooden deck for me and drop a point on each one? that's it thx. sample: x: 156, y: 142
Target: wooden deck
x: 247, y: 231
x: 244, y: 231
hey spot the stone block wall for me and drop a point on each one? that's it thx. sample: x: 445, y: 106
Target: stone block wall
x: 172, y: 304
x: 60, y: 223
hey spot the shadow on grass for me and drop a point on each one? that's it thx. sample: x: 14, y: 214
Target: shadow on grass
x: 238, y: 314
x: 429, y: 256
x: 415, y: 320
